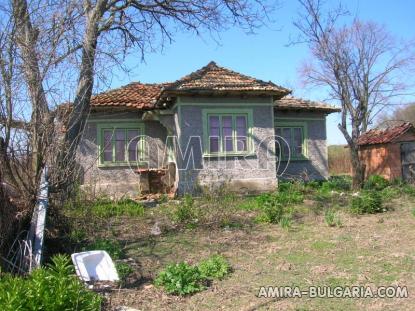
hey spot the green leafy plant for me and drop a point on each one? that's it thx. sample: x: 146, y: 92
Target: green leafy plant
x: 367, y: 202
x: 112, y: 247
x: 413, y: 212
x: 123, y: 270
x: 376, y: 182
x: 50, y: 288
x: 215, y: 267
x: 331, y: 218
x: 180, y: 279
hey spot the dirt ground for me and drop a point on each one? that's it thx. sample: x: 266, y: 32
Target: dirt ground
x: 373, y: 250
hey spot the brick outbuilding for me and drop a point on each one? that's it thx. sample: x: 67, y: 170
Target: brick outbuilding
x: 389, y: 152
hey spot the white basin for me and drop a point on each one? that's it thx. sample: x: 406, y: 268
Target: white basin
x: 94, y: 266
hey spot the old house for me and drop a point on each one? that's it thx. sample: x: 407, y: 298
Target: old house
x: 389, y: 152
x: 209, y: 128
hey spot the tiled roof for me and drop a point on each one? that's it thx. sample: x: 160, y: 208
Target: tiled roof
x: 387, y: 135
x: 215, y: 79
x: 134, y: 95
x: 294, y: 103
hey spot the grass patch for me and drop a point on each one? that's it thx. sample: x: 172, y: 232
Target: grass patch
x: 322, y: 245
x: 126, y: 207
x: 112, y: 247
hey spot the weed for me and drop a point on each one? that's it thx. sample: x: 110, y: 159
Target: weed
x: 112, y: 247
x: 185, y: 213
x: 368, y: 202
x: 105, y: 208
x: 332, y: 219
x: 215, y: 267
x: 180, y: 279
x: 51, y: 288
x: 338, y: 183
x: 272, y: 212
x: 286, y: 222
x: 376, y: 182
x: 413, y: 212
x: 123, y: 270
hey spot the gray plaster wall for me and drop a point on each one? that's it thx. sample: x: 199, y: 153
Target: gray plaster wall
x: 121, y: 180
x: 316, y: 166
x: 253, y: 173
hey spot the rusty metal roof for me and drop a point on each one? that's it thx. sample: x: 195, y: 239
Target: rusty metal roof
x: 295, y: 103
x: 383, y: 136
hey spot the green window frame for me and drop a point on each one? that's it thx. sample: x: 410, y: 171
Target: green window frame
x: 113, y: 128
x: 232, y: 140
x: 291, y: 127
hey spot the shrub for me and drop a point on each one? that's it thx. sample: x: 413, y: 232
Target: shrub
x: 215, y: 267
x: 376, y: 182
x: 50, y: 288
x: 105, y: 208
x: 368, y: 202
x: 180, y: 279
x: 331, y: 218
x: 112, y: 247
x: 409, y: 190
x: 185, y: 213
x: 390, y: 193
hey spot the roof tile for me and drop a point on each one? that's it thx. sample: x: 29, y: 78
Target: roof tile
x: 377, y: 136
x: 213, y: 78
x: 291, y: 103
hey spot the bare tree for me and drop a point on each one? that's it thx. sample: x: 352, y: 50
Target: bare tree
x: 360, y: 65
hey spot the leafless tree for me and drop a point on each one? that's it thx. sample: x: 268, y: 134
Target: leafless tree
x: 360, y: 64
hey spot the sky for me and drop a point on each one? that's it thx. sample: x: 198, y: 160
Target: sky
x: 265, y: 55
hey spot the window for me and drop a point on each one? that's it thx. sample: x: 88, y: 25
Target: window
x: 293, y: 135
x: 121, y: 144
x: 227, y: 133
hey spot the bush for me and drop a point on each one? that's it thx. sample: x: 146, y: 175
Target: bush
x: 185, y: 213
x: 331, y: 218
x: 215, y: 267
x: 105, y: 208
x: 112, y: 247
x: 368, y: 202
x: 180, y: 279
x: 376, y: 182
x: 51, y: 288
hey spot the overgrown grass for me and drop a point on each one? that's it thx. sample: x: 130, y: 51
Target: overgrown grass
x: 54, y: 287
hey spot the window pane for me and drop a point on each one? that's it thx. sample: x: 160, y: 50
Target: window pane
x: 120, y: 145
x: 214, y: 133
x: 297, y: 148
x: 286, y: 135
x: 107, y: 148
x: 241, y: 133
x: 227, y: 133
x: 214, y: 144
x: 132, y: 136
